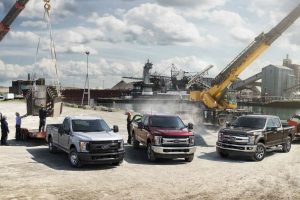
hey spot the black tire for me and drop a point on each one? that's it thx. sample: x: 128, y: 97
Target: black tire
x: 134, y: 142
x: 150, y: 154
x: 51, y: 147
x: 74, y: 158
x: 117, y: 163
x: 223, y: 154
x: 260, y: 153
x: 189, y: 159
x: 286, y: 147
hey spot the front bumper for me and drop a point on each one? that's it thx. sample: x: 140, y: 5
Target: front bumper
x: 236, y: 148
x: 173, y: 152
x: 98, y: 158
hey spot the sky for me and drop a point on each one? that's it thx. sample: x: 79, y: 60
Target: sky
x: 121, y: 35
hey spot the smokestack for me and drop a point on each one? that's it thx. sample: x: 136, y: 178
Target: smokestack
x: 287, y: 62
x: 28, y: 76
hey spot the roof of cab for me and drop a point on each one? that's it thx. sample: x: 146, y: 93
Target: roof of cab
x: 261, y: 116
x: 84, y: 117
x: 161, y: 114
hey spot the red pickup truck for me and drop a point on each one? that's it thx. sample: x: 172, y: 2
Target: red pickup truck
x: 165, y: 136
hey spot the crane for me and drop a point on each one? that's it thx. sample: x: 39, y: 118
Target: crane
x: 213, y: 97
x: 198, y: 77
x: 11, y: 16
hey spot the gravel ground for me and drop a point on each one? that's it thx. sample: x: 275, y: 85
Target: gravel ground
x: 28, y: 171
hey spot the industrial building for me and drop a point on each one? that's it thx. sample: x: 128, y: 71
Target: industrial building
x: 19, y: 86
x: 295, y: 67
x: 275, y: 80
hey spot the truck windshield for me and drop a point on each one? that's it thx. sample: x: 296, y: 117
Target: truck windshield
x: 166, y: 122
x: 250, y: 122
x: 89, y: 125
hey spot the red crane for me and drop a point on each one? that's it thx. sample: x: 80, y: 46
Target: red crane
x: 11, y: 16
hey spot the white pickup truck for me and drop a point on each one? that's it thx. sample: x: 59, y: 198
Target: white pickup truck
x: 87, y: 140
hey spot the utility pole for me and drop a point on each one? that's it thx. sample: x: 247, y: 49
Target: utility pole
x: 87, y: 81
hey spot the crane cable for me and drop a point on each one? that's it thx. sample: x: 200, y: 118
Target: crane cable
x: 47, y: 8
x: 47, y: 19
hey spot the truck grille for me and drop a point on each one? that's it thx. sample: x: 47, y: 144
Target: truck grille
x: 175, y: 142
x: 104, y: 147
x: 234, y: 139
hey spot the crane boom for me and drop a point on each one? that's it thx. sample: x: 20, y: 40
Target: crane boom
x: 214, y: 96
x: 11, y: 16
x: 196, y: 78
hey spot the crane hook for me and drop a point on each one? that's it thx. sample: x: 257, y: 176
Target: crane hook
x: 47, y: 5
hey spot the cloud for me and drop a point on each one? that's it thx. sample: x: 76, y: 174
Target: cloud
x: 271, y: 7
x: 224, y: 17
x: 242, y: 34
x: 1, y: 6
x: 203, y: 4
x: 75, y: 49
x: 12, y: 72
x: 33, y: 24
x: 22, y: 37
x: 151, y: 24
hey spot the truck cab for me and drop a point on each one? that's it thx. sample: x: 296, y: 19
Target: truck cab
x: 165, y: 136
x: 87, y: 140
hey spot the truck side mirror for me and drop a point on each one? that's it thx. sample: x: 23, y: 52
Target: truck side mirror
x: 228, y: 124
x: 140, y: 125
x: 271, y: 128
x: 115, y: 128
x: 67, y: 131
x: 190, y: 126
x: 274, y: 129
x: 60, y: 129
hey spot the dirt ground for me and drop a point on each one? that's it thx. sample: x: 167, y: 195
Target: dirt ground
x: 29, y: 171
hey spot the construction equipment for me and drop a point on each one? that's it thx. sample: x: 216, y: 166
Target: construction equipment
x: 11, y: 16
x: 215, y: 96
x: 197, y: 78
x: 36, y: 95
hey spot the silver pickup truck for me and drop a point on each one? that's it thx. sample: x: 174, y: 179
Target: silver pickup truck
x: 87, y: 140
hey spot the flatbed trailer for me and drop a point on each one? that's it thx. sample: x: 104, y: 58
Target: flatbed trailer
x: 32, y: 134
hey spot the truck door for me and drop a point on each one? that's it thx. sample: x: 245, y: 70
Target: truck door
x: 138, y: 130
x: 64, y: 135
x: 54, y: 133
x: 145, y: 130
x: 270, y: 132
x: 279, y: 133
x: 141, y: 132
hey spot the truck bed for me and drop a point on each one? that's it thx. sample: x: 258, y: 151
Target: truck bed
x: 54, y: 125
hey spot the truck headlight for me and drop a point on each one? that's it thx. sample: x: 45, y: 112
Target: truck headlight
x: 121, y: 144
x: 84, y: 146
x: 220, y: 136
x: 157, y: 140
x: 251, y: 139
x: 192, y: 140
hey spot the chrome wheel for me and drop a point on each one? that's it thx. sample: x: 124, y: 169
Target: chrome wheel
x: 286, y: 147
x: 288, y: 144
x: 260, y: 152
x: 50, y: 146
x: 74, y: 158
